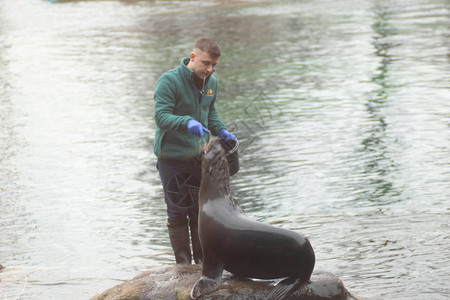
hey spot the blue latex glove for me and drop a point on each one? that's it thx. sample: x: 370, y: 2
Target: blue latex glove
x: 196, y: 128
x: 224, y: 134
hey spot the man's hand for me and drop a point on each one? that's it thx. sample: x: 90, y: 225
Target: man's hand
x: 224, y: 134
x: 196, y: 128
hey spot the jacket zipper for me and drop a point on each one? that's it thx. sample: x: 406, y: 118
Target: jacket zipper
x: 200, y: 100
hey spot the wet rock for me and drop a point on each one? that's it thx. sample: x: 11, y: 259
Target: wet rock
x: 175, y: 282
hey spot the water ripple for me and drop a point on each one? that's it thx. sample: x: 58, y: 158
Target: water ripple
x: 341, y: 109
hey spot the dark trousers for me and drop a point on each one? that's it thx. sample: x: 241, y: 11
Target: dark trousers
x: 181, y: 182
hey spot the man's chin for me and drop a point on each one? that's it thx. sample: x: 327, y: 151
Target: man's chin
x: 202, y: 76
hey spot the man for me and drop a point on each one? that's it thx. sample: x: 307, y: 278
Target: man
x: 185, y: 116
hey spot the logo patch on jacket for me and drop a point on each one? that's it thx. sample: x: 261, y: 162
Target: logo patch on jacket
x: 209, y: 93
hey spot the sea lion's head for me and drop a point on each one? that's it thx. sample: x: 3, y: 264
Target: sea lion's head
x: 215, y: 165
x: 215, y: 182
x: 215, y: 158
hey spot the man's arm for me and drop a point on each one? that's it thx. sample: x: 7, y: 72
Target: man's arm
x: 165, y: 97
x: 215, y: 124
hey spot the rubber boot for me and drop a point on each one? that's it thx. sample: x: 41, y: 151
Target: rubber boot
x: 196, y: 245
x: 179, y: 238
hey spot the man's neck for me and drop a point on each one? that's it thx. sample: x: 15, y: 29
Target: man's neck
x: 198, y: 81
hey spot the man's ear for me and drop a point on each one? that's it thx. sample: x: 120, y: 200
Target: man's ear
x: 192, y: 56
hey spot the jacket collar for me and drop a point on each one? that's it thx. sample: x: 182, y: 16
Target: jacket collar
x: 188, y: 72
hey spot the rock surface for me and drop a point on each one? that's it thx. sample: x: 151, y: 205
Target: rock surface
x: 175, y: 282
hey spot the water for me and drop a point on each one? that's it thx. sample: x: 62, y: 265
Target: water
x: 341, y: 107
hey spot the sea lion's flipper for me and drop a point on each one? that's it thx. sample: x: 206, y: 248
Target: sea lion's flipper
x: 210, y: 280
x: 283, y: 289
x: 205, y: 286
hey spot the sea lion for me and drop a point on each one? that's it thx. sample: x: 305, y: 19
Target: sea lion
x: 243, y: 247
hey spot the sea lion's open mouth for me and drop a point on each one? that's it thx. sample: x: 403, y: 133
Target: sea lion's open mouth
x: 214, y: 149
x: 219, y: 148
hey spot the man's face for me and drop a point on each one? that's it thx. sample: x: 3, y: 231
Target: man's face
x: 202, y: 63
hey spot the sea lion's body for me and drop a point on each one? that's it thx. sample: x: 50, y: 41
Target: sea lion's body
x: 244, y: 247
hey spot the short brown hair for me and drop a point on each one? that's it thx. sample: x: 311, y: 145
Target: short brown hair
x: 208, y: 45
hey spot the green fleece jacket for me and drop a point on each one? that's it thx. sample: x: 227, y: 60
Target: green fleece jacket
x: 178, y: 100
